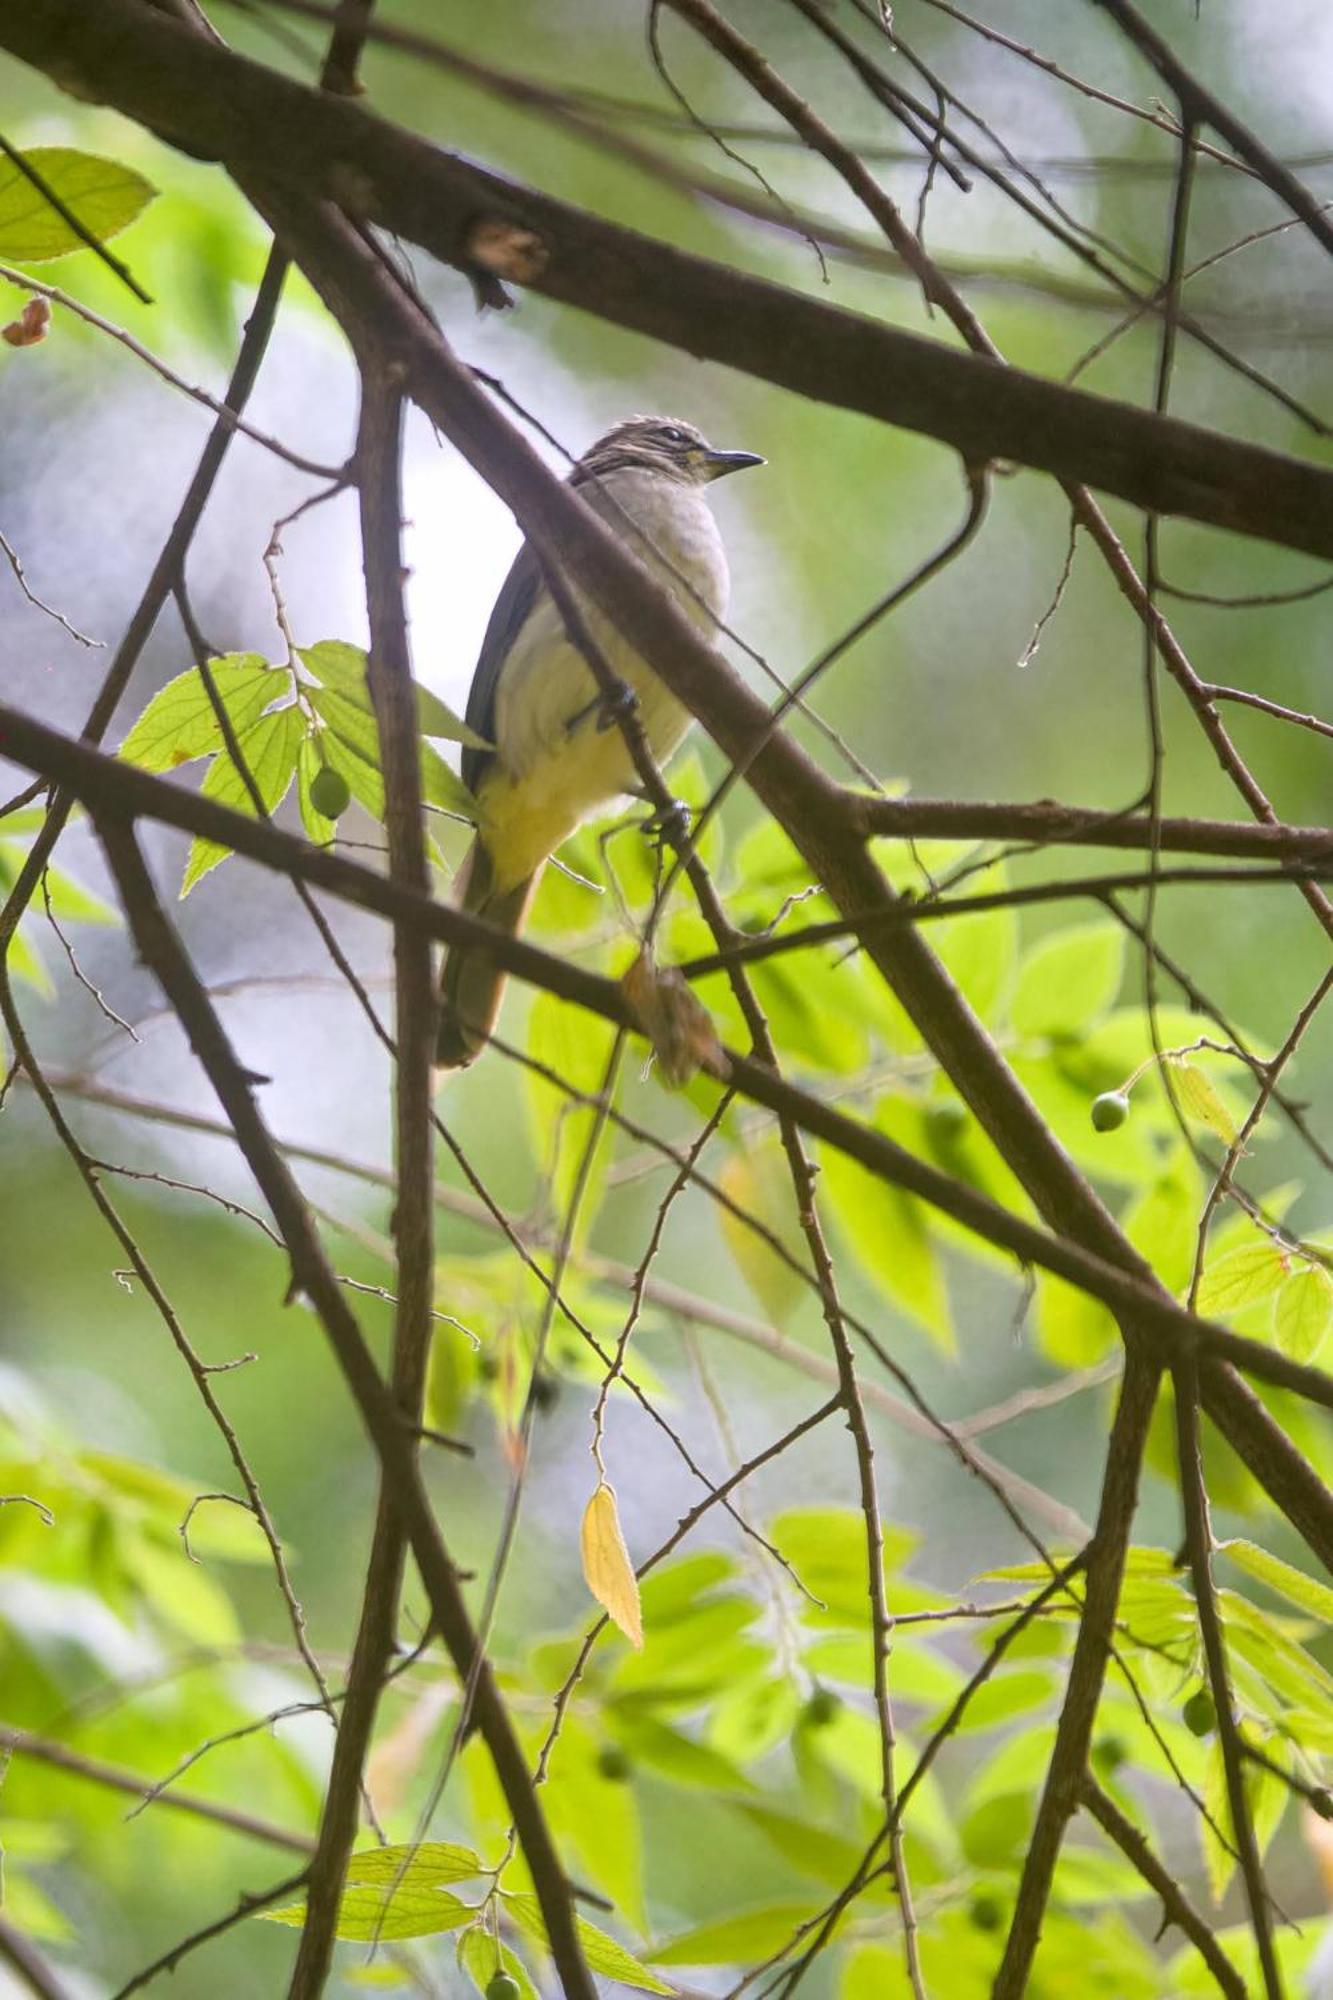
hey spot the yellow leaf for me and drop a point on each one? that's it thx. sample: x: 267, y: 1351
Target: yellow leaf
x: 607, y: 1568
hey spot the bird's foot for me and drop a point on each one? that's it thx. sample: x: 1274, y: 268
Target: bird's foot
x: 610, y: 706
x: 668, y: 825
x: 614, y: 704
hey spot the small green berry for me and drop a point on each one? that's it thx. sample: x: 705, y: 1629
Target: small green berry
x: 1109, y: 1111
x: 821, y: 1708
x: 613, y: 1763
x: 330, y: 793
x: 985, y: 1913
x: 1199, y: 1715
x: 503, y: 1987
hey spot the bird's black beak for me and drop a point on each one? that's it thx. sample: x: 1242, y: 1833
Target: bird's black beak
x: 720, y: 463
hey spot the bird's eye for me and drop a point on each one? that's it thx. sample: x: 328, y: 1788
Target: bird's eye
x: 672, y: 435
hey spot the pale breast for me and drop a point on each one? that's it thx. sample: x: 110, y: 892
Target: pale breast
x: 546, y: 683
x: 555, y: 767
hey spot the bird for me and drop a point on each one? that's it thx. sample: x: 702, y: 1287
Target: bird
x: 549, y: 756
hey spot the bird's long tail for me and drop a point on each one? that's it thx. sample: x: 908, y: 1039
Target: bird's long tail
x: 472, y: 984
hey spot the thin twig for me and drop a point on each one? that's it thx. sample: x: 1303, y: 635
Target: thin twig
x: 1198, y: 1543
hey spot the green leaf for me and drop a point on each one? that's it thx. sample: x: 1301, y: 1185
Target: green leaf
x: 677, y: 1756
x: 24, y: 962
x: 1004, y: 1697
x: 576, y: 1048
x: 1068, y: 981
x: 830, y: 1858
x: 1075, y: 1330
x: 395, y: 1892
x: 481, y: 1956
x: 428, y: 1864
x: 737, y: 1940
x: 751, y: 1719
x: 887, y: 1233
x: 442, y: 787
x: 1267, y: 1797
x: 104, y: 195
x: 1251, y: 1272
x: 269, y: 749
x: 602, y: 1952
x: 342, y: 669
x: 826, y: 1546
x: 1303, y: 1312
x: 1199, y: 1098
x: 180, y: 723
x: 597, y: 1818
x: 1282, y: 1577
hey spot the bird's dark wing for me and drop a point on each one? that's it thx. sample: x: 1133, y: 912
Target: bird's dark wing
x: 518, y: 594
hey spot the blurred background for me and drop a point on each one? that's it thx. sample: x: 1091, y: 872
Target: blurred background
x: 948, y: 698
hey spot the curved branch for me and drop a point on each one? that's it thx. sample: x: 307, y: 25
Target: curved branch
x: 191, y: 91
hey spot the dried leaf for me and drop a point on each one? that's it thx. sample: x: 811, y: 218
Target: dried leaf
x: 31, y: 325
x: 677, y: 1024
x: 607, y: 1568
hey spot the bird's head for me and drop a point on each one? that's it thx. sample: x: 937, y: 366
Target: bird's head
x: 664, y: 445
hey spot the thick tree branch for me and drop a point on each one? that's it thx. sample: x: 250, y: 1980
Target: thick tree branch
x: 109, y: 787
x: 312, y: 1275
x: 259, y: 122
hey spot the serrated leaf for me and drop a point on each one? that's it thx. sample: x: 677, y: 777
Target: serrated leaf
x: 428, y: 1864
x: 1282, y: 1577
x: 383, y: 1912
x: 1251, y: 1272
x: 269, y: 748
x: 1198, y: 1098
x: 342, y: 668
x: 104, y: 195
x: 180, y: 723
x: 1303, y: 1312
x: 395, y: 1892
x: 481, y: 1956
x: 602, y: 1953
x: 607, y: 1568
